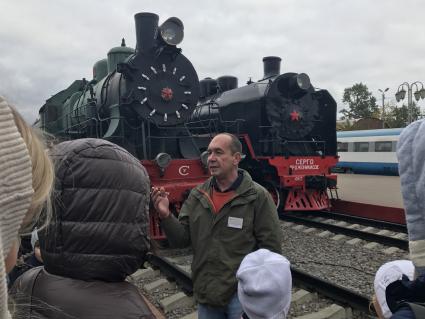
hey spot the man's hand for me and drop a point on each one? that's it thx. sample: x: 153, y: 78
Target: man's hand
x: 160, y: 201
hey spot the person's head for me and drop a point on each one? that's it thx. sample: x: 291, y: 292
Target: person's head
x: 264, y: 285
x: 101, y: 225
x: 26, y: 176
x: 42, y: 175
x: 386, y: 275
x: 224, y: 155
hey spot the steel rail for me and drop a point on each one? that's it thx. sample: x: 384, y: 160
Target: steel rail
x: 300, y: 277
x: 331, y: 290
x: 182, y: 278
x: 389, y: 241
x: 364, y: 221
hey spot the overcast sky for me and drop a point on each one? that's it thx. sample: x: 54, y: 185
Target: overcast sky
x: 46, y: 45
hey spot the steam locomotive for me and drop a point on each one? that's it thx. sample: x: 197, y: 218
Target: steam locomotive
x: 151, y: 102
x: 287, y: 129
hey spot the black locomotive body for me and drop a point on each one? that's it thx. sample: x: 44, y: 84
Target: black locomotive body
x: 282, y: 113
x: 137, y: 98
x: 288, y: 129
x: 141, y: 100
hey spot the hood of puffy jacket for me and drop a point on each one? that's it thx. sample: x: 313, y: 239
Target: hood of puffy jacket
x: 99, y: 229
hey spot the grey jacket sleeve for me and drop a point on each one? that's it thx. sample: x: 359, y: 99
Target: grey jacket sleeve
x: 411, y: 157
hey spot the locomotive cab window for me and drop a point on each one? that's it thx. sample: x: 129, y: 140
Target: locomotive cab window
x: 342, y: 147
x: 383, y: 146
x: 361, y: 146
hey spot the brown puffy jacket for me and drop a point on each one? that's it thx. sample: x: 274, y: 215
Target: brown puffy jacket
x: 38, y: 294
x: 97, y: 237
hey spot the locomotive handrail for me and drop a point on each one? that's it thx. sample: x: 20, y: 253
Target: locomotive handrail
x: 178, y: 130
x: 286, y: 143
x: 289, y: 142
x: 210, y: 127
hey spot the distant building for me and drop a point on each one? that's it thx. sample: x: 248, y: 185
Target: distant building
x: 361, y: 124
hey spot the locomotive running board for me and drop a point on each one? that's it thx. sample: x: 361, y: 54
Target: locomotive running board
x: 307, y: 200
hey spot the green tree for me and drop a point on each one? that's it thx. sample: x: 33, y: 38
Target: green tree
x: 399, y: 116
x: 361, y: 103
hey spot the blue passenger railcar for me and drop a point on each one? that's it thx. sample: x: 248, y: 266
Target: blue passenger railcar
x: 368, y: 151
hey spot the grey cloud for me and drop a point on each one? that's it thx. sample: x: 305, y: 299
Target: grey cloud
x: 46, y: 45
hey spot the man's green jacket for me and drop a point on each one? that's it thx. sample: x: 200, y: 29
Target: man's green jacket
x: 220, y: 241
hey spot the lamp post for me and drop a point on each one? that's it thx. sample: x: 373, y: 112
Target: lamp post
x: 383, y: 105
x: 419, y: 94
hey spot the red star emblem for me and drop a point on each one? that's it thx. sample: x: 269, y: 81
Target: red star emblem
x: 167, y: 94
x: 295, y: 116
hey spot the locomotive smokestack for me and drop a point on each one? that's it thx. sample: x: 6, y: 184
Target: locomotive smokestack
x: 146, y: 31
x: 271, y: 66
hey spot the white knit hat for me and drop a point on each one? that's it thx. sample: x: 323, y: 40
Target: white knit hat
x: 264, y: 285
x: 15, y: 191
x: 386, y: 275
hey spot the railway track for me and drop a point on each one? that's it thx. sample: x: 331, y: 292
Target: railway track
x: 168, y: 285
x: 326, y: 293
x: 362, y: 221
x: 364, y: 231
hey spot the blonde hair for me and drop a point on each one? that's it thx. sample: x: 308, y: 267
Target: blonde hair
x: 42, y: 174
x: 375, y: 308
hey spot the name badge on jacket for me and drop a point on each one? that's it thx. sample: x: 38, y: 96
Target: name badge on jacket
x: 235, y: 222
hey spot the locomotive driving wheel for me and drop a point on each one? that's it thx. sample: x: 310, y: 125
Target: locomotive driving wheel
x: 275, y: 192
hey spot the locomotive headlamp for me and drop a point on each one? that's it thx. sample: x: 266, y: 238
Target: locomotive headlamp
x: 293, y: 85
x: 204, y: 158
x: 163, y: 160
x: 172, y: 31
x: 303, y: 81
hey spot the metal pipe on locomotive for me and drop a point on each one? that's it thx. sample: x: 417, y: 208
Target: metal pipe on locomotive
x: 139, y: 99
x: 287, y: 128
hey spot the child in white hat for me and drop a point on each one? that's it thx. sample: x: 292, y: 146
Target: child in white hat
x: 386, y: 275
x: 264, y: 285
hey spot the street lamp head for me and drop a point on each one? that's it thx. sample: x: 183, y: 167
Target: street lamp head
x: 397, y: 96
x: 422, y: 92
x: 417, y: 95
x: 402, y: 94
